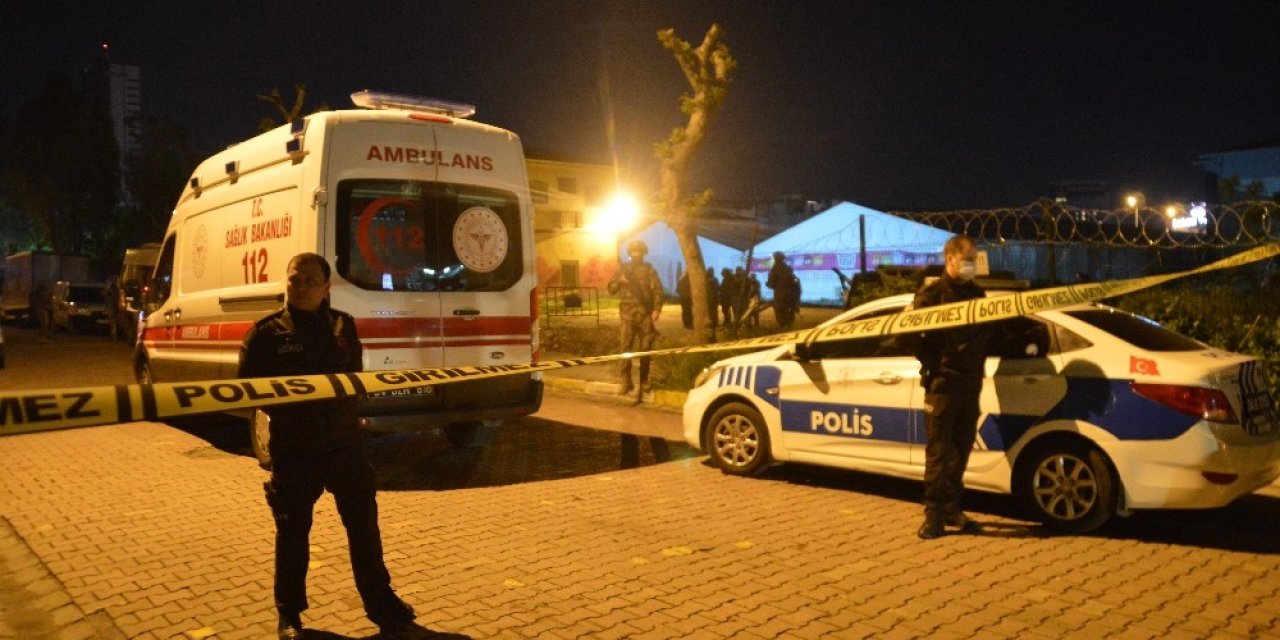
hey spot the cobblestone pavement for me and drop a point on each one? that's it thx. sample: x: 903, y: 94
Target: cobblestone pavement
x: 153, y: 532
x: 144, y: 530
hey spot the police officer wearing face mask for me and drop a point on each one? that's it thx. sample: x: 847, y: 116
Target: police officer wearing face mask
x: 317, y: 446
x: 951, y: 371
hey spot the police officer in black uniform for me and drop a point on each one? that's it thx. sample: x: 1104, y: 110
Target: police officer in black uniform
x: 316, y: 446
x: 951, y: 370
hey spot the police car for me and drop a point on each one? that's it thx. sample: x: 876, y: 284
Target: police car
x: 1087, y: 412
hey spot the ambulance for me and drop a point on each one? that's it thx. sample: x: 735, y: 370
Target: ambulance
x: 424, y: 215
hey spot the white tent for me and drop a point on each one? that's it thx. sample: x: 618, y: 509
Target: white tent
x: 666, y: 257
x: 834, y: 239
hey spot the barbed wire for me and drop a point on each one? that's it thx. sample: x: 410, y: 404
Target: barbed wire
x: 1238, y: 224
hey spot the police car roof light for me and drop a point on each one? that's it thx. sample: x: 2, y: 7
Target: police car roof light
x: 383, y: 100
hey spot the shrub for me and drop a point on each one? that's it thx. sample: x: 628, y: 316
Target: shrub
x: 1236, y: 314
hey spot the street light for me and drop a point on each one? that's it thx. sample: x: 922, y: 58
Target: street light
x: 1135, y: 200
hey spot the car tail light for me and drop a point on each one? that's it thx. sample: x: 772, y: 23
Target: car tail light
x: 1209, y: 404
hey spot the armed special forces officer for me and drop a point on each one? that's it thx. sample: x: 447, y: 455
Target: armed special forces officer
x: 640, y: 291
x: 951, y: 371
x: 317, y: 446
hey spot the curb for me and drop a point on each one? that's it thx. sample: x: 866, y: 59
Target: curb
x: 659, y: 397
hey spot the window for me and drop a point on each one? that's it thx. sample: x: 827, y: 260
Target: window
x: 592, y: 196
x: 879, y: 347
x: 567, y: 185
x: 538, y: 191
x: 162, y: 279
x: 569, y: 273
x: 1136, y: 330
x: 408, y: 235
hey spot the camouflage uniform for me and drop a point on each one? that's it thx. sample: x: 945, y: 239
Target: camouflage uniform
x: 640, y: 292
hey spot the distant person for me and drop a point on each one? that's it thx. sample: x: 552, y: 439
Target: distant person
x: 751, y: 314
x: 111, y: 294
x: 728, y: 293
x: 316, y: 446
x: 952, y: 365
x: 786, y: 290
x: 685, y: 293
x: 637, y: 286
x: 41, y: 305
x: 713, y: 296
x: 741, y: 295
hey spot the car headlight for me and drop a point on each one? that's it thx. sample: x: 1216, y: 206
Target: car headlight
x: 707, y: 374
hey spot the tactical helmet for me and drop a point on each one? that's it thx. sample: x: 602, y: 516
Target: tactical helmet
x: 637, y: 246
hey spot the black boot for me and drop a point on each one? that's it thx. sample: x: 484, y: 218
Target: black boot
x: 290, y: 626
x: 393, y: 617
x: 932, y: 527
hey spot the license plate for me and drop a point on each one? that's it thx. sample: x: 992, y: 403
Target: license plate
x: 1259, y: 413
x: 400, y: 393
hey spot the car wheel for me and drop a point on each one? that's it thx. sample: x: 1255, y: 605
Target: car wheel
x: 472, y: 434
x: 737, y: 440
x: 142, y: 371
x: 1067, y: 485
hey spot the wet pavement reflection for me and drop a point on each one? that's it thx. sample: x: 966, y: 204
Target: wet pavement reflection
x: 529, y: 449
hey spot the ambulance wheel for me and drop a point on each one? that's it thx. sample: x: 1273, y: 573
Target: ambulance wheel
x: 260, y: 437
x: 472, y: 434
x: 737, y: 440
x: 1066, y: 484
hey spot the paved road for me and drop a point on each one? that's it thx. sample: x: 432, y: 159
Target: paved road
x: 144, y: 530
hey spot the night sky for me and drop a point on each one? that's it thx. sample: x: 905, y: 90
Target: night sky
x: 895, y: 105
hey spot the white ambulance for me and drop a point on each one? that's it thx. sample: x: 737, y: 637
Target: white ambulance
x: 426, y: 219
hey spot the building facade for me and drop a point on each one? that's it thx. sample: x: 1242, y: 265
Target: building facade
x: 577, y: 246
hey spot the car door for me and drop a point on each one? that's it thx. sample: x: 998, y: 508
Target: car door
x: 158, y: 353
x: 1020, y: 386
x: 851, y: 400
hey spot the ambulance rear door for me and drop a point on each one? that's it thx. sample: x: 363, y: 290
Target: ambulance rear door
x: 382, y: 182
x: 485, y: 247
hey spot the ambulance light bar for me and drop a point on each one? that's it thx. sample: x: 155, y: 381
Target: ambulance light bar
x: 382, y: 100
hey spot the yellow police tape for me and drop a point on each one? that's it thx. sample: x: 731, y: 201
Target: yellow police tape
x: 49, y: 409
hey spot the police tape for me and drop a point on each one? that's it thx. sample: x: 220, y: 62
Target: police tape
x: 50, y: 409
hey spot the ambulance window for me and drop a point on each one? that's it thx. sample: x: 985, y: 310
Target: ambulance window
x: 408, y: 235
x: 162, y: 280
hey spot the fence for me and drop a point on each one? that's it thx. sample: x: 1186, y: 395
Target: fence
x: 1051, y: 243
x: 570, y: 302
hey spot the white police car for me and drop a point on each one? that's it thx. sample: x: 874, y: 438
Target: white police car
x: 1112, y: 413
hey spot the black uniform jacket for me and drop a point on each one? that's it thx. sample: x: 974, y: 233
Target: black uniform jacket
x: 295, y: 342
x: 951, y: 360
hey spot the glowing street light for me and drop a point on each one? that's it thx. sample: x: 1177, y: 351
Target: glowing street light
x: 1135, y: 200
x: 621, y: 213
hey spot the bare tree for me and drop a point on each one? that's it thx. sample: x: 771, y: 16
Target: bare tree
x: 708, y: 69
x: 286, y: 114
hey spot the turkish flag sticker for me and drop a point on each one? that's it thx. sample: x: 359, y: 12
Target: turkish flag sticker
x: 1143, y: 366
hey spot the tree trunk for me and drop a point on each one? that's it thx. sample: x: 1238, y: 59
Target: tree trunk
x: 703, y: 332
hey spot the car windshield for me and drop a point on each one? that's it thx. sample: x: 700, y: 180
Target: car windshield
x: 85, y: 295
x: 1137, y: 330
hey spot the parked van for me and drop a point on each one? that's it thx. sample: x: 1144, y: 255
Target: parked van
x: 424, y: 215
x: 135, y: 273
x: 79, y: 307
